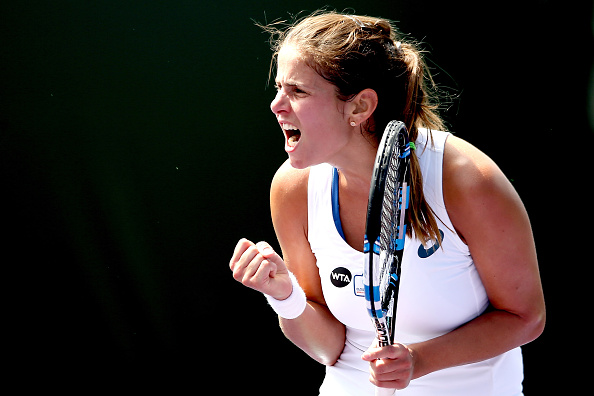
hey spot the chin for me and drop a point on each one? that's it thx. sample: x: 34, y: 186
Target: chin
x: 299, y: 163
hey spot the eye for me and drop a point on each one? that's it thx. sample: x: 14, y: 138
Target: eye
x: 290, y: 89
x: 298, y: 92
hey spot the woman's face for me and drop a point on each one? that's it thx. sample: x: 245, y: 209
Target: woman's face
x: 310, y: 114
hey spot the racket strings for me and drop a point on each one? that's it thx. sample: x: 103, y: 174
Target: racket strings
x: 391, y: 209
x: 389, y: 235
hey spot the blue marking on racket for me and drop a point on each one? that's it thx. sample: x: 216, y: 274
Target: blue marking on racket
x: 386, y: 226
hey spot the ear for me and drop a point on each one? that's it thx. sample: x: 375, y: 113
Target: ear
x: 362, y: 106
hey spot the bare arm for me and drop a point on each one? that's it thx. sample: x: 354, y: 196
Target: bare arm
x: 315, y: 331
x: 488, y: 214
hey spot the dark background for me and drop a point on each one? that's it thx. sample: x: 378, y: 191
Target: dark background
x: 137, y: 146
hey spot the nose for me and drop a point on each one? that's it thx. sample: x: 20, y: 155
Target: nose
x: 280, y: 103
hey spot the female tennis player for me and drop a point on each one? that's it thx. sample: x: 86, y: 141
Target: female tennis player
x: 470, y: 293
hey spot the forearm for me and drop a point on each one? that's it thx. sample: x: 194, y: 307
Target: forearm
x: 317, y: 332
x: 485, y: 337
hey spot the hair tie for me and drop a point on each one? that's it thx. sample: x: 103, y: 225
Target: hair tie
x: 412, y: 146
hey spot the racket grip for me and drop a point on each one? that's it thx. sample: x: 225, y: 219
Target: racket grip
x: 384, y: 391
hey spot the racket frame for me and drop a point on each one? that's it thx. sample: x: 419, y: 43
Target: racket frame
x: 388, y: 150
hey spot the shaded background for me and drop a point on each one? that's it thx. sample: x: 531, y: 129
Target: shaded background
x: 137, y: 146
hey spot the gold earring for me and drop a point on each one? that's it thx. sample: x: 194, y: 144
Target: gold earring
x: 353, y: 123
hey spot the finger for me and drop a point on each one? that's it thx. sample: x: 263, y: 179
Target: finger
x: 394, y: 374
x: 240, y: 248
x: 388, y: 369
x: 373, y: 353
x: 265, y: 271
x: 268, y: 253
x: 259, y: 275
x: 265, y: 249
x: 394, y: 351
x: 245, y: 264
x: 254, y: 261
x: 259, y: 270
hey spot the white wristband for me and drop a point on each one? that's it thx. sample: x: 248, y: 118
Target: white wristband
x: 292, y: 306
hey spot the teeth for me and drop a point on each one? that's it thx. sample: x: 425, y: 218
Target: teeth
x: 289, y: 127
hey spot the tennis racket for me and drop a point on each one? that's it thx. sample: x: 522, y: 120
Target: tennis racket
x: 385, y: 232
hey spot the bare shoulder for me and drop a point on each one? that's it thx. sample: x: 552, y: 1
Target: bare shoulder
x: 288, y: 197
x: 288, y: 207
x: 289, y: 183
x: 475, y: 188
x: 464, y: 163
x: 471, y: 177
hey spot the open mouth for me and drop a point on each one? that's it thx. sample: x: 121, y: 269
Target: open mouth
x: 292, y: 133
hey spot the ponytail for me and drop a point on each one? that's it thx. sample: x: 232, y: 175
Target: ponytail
x: 419, y: 112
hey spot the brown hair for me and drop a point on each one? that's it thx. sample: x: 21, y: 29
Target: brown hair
x: 359, y: 52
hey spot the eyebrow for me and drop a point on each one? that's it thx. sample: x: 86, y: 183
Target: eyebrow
x: 289, y: 83
x: 293, y: 84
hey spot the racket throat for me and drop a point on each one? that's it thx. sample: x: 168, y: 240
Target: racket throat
x: 383, y: 333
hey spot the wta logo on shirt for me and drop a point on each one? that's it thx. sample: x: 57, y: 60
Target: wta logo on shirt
x: 342, y: 277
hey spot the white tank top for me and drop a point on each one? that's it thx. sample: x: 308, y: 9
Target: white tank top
x: 440, y: 290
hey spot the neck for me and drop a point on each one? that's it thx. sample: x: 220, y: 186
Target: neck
x: 355, y: 168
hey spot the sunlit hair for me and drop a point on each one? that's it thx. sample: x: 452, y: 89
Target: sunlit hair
x: 359, y: 52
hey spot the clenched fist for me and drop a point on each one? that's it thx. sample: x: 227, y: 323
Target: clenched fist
x: 257, y: 266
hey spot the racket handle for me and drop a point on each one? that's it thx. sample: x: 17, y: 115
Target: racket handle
x: 384, y: 391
